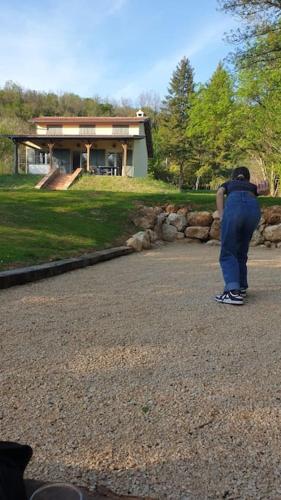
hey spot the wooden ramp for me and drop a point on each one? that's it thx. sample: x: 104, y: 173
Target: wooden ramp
x: 57, y: 181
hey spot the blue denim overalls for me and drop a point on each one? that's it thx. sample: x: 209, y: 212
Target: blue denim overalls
x: 240, y: 218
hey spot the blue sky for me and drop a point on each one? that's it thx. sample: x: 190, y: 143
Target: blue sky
x: 111, y: 48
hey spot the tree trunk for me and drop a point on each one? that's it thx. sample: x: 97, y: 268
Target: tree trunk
x: 181, y: 179
x: 262, y: 167
x: 197, y: 183
x: 276, y: 191
x: 272, y: 181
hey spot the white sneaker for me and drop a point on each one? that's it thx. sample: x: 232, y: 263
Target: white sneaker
x: 232, y: 297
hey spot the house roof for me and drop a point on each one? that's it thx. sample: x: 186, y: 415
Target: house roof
x: 59, y: 120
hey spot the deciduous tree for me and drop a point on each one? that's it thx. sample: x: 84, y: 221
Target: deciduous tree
x: 213, y: 126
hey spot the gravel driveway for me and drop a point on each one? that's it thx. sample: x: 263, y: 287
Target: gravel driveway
x: 127, y: 372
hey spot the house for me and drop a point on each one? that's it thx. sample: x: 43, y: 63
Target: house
x: 99, y: 145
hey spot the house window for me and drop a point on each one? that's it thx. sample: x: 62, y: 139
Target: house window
x: 98, y: 157
x: 34, y: 156
x: 54, y: 130
x: 120, y: 129
x: 39, y: 157
x: 87, y: 129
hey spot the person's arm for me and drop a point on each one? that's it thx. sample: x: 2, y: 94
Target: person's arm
x: 220, y: 201
x: 263, y: 188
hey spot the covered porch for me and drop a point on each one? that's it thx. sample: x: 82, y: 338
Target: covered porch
x: 99, y: 155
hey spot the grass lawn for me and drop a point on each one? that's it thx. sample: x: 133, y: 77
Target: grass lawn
x: 37, y: 226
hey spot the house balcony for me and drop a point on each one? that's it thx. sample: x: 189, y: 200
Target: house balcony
x: 87, y: 131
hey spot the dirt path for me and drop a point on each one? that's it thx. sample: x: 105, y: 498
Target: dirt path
x: 129, y: 372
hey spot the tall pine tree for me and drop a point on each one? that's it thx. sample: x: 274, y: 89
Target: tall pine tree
x: 175, y: 116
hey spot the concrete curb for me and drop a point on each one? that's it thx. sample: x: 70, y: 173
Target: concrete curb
x: 24, y: 275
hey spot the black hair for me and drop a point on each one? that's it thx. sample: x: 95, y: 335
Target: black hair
x: 241, y: 174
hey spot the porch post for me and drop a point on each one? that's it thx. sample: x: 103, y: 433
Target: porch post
x: 88, y: 148
x: 124, y: 159
x: 16, y: 158
x: 51, y: 147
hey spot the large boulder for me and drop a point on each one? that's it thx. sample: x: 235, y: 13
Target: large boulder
x: 169, y: 233
x: 160, y: 219
x: 216, y: 214
x: 177, y: 220
x: 170, y: 209
x: 199, y: 219
x: 139, y: 241
x: 272, y: 215
x: 197, y: 232
x: 215, y: 231
x: 153, y: 236
x: 261, y: 224
x: 146, y: 217
x: 272, y: 233
x: 257, y: 238
x: 262, y: 221
x: 183, y: 211
x: 134, y: 243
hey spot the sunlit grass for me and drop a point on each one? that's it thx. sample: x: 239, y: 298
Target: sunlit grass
x: 123, y: 184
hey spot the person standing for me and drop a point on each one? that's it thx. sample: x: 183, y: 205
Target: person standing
x: 239, y: 218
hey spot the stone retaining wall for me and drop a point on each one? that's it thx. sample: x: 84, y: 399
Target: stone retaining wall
x: 171, y: 223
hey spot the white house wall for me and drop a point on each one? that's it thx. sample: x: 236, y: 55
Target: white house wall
x: 38, y: 169
x: 103, y: 130
x: 134, y: 130
x: 41, y: 129
x: 140, y: 159
x: 99, y: 130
